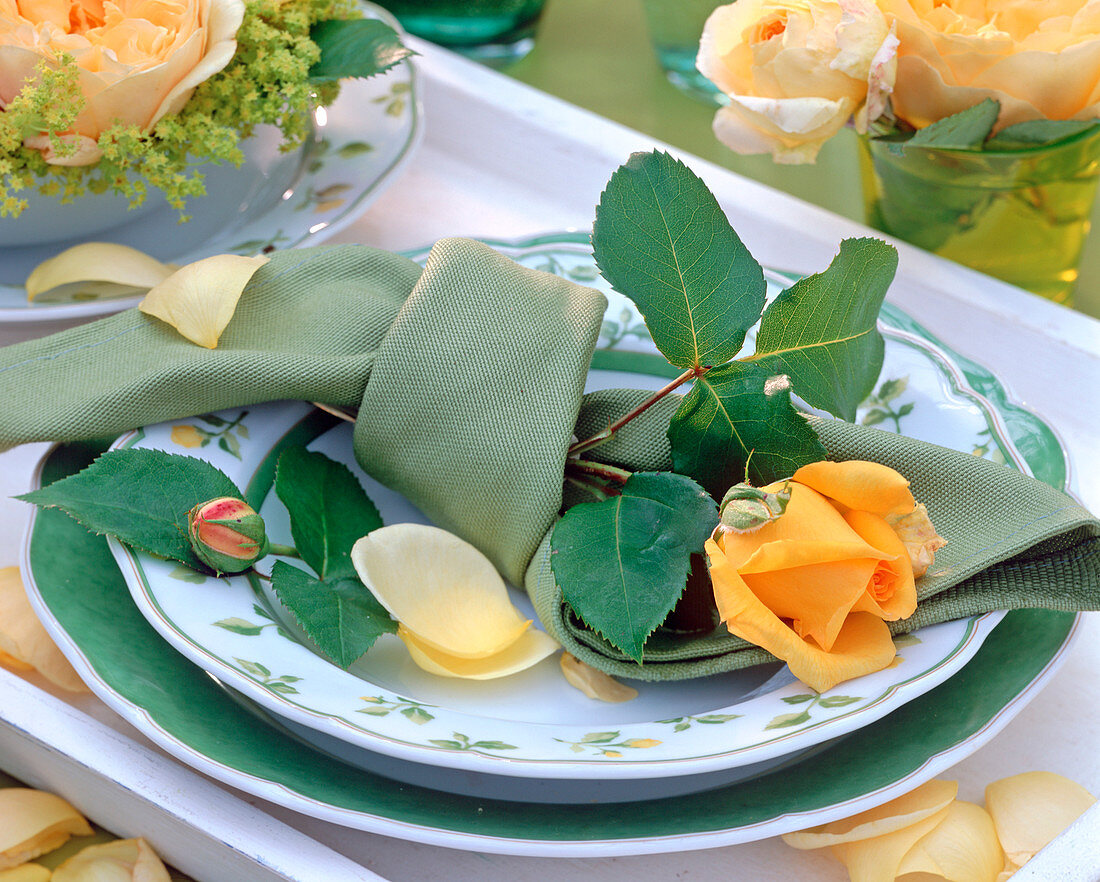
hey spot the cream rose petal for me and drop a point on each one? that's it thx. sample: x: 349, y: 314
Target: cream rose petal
x: 878, y: 859
x: 99, y: 263
x: 594, y: 683
x: 26, y: 873
x: 963, y: 848
x: 925, y: 801
x: 528, y: 650
x: 440, y: 588
x: 199, y: 300
x: 23, y: 638
x: 1031, y: 809
x: 124, y: 860
x: 33, y: 822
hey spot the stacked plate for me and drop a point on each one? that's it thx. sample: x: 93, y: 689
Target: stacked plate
x: 527, y: 764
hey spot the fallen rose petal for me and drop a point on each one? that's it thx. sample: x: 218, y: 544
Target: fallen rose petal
x: 23, y: 638
x: 1031, y: 809
x: 124, y: 860
x: 594, y: 683
x: 878, y: 859
x: 962, y: 848
x: 931, y: 798
x: 440, y: 588
x: 198, y: 300
x: 25, y: 873
x: 108, y: 266
x: 33, y: 822
x: 528, y: 650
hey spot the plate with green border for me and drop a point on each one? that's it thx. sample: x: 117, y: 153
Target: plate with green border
x: 78, y: 591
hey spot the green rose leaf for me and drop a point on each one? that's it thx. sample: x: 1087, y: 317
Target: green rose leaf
x: 623, y: 562
x: 1040, y: 132
x: 737, y: 415
x: 140, y: 496
x: 965, y: 130
x: 328, y: 507
x: 339, y: 615
x: 661, y: 239
x: 358, y: 47
x: 821, y: 332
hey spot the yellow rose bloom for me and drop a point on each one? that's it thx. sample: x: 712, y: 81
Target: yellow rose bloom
x: 795, y: 71
x: 1040, y: 60
x: 816, y: 586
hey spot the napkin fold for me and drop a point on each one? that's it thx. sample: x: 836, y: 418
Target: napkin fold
x: 469, y: 377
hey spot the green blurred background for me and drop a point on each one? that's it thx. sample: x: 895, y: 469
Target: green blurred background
x: 597, y: 54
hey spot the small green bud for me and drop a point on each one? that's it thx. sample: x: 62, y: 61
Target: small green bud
x: 745, y: 509
x: 227, y: 534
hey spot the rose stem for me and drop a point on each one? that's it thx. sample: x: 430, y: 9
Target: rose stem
x: 606, y: 434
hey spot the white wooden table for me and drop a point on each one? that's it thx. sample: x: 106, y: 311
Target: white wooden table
x: 500, y: 160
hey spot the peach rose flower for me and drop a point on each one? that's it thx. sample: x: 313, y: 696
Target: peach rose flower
x: 138, y: 60
x: 796, y: 71
x: 816, y: 586
x: 1040, y: 60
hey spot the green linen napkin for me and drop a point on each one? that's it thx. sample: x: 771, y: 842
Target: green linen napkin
x: 469, y: 378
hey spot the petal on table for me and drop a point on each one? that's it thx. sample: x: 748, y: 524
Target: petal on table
x: 23, y: 638
x: 199, y: 300
x: 121, y: 269
x: 124, y: 860
x: 25, y: 873
x: 33, y: 822
x: 963, y: 848
x: 1029, y: 810
x: 531, y: 648
x: 440, y: 588
x: 878, y: 859
x: 925, y: 801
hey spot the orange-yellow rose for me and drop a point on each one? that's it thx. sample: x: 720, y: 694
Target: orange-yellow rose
x: 796, y: 71
x: 1040, y: 60
x: 816, y: 586
x: 137, y: 59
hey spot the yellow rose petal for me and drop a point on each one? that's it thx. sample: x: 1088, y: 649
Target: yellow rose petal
x: 25, y: 873
x: 963, y: 848
x: 104, y: 268
x: 125, y: 860
x: 1031, y: 809
x: 528, y: 650
x: 916, y: 805
x: 442, y: 589
x: 892, y: 594
x: 23, y: 638
x: 877, y: 859
x: 867, y: 486
x: 198, y: 300
x: 594, y: 683
x: 33, y: 822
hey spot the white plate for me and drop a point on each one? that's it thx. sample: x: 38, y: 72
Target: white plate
x: 533, y: 724
x: 361, y: 142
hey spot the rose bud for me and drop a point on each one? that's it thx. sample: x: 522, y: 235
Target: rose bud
x: 745, y: 509
x: 227, y: 534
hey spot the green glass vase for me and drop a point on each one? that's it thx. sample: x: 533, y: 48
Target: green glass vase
x: 1020, y: 215
x: 494, y: 32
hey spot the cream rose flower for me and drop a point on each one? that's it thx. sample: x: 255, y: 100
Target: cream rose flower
x: 795, y: 71
x: 137, y: 60
x: 1040, y: 60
